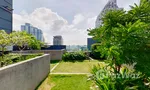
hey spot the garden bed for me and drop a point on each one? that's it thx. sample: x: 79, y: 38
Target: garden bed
x: 14, y: 58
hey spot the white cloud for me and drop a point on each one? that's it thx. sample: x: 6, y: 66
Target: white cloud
x: 52, y: 24
x: 78, y: 18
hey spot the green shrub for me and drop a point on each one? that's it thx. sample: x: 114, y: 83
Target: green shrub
x: 74, y: 56
x: 106, y: 78
x: 25, y: 57
x: 14, y: 58
x: 95, y: 53
x: 142, y: 58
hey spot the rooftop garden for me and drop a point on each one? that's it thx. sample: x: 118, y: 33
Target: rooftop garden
x: 123, y: 43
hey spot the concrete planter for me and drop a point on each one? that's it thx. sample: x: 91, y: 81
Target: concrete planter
x: 25, y: 75
x: 55, y: 54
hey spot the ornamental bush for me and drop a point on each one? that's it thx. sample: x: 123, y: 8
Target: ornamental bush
x: 74, y: 56
x: 95, y: 53
x: 128, y: 78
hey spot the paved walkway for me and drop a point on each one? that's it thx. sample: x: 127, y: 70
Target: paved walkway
x: 91, y: 58
x: 54, y: 67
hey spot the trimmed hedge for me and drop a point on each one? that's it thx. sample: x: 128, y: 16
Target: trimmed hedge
x: 74, y: 56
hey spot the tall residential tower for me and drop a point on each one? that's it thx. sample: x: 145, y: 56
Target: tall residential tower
x: 33, y: 30
x: 111, y: 5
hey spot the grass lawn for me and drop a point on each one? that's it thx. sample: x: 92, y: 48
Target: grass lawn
x: 53, y: 63
x: 75, y: 67
x: 66, y: 82
x: 69, y: 82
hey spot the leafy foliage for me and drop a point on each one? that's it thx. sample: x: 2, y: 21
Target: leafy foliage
x: 19, y: 38
x: 123, y: 36
x: 74, y: 56
x: 4, y: 41
x: 127, y: 79
x: 35, y: 44
x: 14, y: 58
x: 123, y: 32
x: 96, y: 54
x: 142, y: 58
x: 23, y: 40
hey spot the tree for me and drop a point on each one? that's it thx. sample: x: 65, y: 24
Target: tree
x: 95, y: 54
x: 20, y: 39
x: 123, y: 32
x: 35, y: 44
x: 4, y: 41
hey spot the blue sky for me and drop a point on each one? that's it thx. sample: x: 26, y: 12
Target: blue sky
x: 69, y: 18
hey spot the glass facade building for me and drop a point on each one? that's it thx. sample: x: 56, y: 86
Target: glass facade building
x: 111, y: 5
x: 6, y: 15
x: 90, y: 41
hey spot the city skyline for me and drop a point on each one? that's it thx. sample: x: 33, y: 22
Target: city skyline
x: 33, y: 30
x: 71, y: 25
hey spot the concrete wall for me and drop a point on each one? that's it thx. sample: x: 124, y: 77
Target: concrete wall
x: 54, y: 54
x: 25, y: 75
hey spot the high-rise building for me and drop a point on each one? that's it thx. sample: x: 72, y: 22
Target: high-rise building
x: 90, y: 41
x: 6, y: 10
x: 33, y: 30
x: 6, y: 15
x: 111, y: 5
x: 57, y: 40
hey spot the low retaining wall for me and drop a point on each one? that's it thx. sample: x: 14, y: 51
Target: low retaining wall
x: 55, y: 54
x: 25, y: 75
